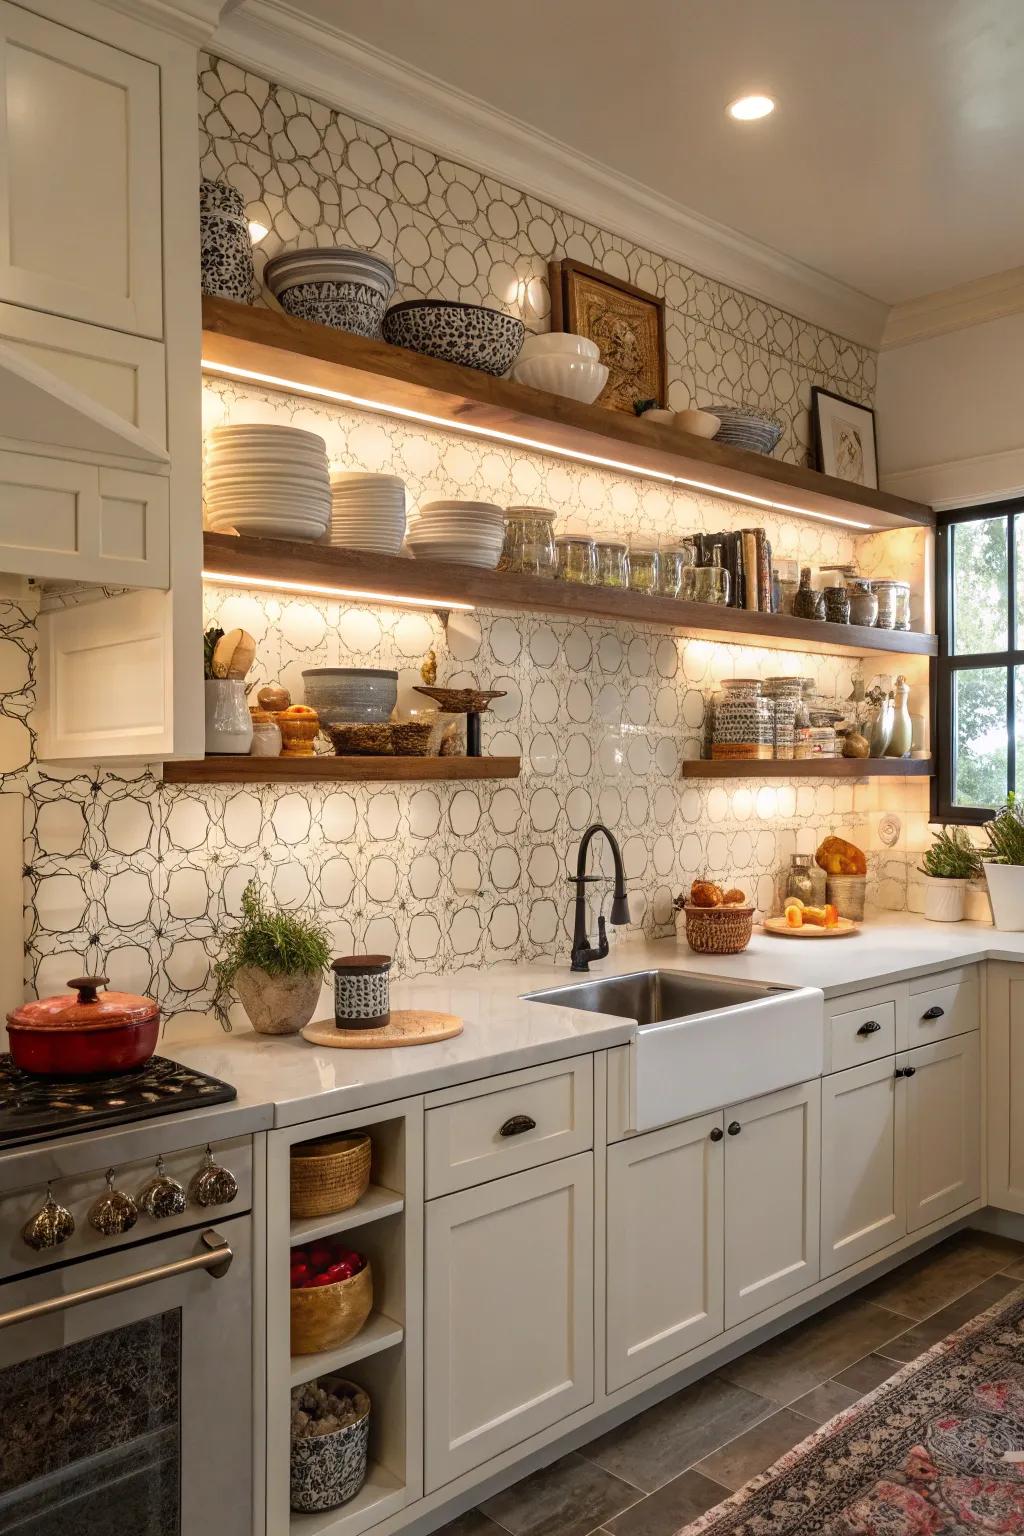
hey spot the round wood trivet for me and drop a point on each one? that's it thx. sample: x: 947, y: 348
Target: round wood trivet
x: 407, y: 1026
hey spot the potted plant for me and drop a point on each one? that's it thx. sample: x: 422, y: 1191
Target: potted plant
x: 1004, y: 865
x: 274, y: 961
x: 949, y: 864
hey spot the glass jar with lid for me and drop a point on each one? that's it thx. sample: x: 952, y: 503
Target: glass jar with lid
x: 644, y: 565
x: 612, y: 563
x: 576, y: 559
x: 529, y: 546
x: 673, y: 559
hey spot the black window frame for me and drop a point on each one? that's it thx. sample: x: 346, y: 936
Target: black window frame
x: 946, y: 665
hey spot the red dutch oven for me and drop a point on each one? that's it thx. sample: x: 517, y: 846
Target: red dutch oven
x: 84, y: 1034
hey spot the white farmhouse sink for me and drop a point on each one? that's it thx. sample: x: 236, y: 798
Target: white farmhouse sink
x: 703, y: 1042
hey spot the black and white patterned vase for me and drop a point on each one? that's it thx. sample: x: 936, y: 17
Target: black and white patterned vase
x: 361, y: 991
x: 225, y: 247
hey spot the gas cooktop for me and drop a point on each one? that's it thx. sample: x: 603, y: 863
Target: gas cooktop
x: 36, y: 1108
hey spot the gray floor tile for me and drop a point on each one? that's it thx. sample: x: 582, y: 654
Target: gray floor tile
x: 812, y: 1352
x: 472, y: 1523
x: 935, y: 1279
x: 664, y: 1440
x: 673, y: 1506
x: 572, y: 1497
x: 824, y: 1402
x: 867, y: 1374
x: 749, y: 1454
x: 1015, y: 1270
x: 923, y: 1335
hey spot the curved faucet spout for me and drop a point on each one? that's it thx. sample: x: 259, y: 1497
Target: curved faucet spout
x: 582, y: 951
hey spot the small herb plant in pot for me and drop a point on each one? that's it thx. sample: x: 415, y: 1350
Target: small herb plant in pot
x: 948, y: 866
x: 1004, y: 865
x: 274, y: 962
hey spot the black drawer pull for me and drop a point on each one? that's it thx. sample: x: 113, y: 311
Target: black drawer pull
x: 870, y: 1028
x: 717, y: 1133
x: 909, y: 1071
x: 934, y: 1013
x: 900, y: 1072
x: 517, y: 1125
x: 735, y: 1128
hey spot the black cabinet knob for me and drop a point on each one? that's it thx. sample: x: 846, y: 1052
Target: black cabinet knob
x: 900, y: 1072
x: 517, y: 1125
x: 934, y: 1013
x: 717, y: 1133
x: 735, y: 1128
x: 909, y: 1071
x: 870, y: 1028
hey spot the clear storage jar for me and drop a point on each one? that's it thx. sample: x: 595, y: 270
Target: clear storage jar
x: 529, y: 547
x: 612, y: 563
x: 644, y: 566
x: 672, y: 561
x: 576, y: 559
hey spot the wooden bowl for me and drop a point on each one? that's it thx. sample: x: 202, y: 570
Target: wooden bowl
x: 329, y: 1176
x: 327, y: 1316
x: 719, y: 930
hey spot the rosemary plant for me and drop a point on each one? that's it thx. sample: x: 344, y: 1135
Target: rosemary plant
x: 1005, y: 833
x: 280, y: 943
x: 952, y: 856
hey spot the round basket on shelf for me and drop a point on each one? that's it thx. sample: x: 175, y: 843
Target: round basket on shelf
x: 329, y: 1176
x: 328, y: 1316
x: 718, y: 930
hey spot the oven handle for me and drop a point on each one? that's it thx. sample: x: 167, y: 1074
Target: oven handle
x: 216, y: 1261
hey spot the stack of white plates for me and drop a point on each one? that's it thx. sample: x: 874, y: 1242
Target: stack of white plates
x: 469, y: 532
x: 268, y: 481
x: 367, y: 512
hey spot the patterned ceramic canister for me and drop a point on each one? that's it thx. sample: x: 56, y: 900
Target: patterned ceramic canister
x: 328, y: 1470
x: 743, y: 715
x: 361, y: 993
x: 225, y: 246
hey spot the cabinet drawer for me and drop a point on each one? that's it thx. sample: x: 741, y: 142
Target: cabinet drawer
x: 505, y: 1124
x: 941, y: 1011
x: 862, y: 1034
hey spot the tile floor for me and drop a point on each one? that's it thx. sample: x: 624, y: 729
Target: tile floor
x: 652, y: 1475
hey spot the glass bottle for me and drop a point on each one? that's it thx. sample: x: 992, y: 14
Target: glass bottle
x: 902, y: 734
x: 800, y: 881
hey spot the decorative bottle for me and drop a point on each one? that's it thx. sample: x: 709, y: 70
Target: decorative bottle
x: 902, y: 734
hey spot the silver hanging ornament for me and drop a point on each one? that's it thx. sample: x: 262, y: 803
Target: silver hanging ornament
x: 114, y: 1212
x: 162, y: 1196
x: 51, y: 1225
x: 212, y: 1184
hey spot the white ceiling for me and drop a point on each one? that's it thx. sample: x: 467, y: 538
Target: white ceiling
x: 893, y: 163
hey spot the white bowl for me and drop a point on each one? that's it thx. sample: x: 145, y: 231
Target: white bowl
x: 697, y: 423
x: 577, y: 378
x: 663, y: 417
x: 559, y: 344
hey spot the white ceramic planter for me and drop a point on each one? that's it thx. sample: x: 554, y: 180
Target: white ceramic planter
x: 977, y: 907
x: 228, y: 722
x: 1006, y: 892
x: 944, y: 899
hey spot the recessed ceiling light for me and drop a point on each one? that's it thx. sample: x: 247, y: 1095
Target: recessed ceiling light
x: 747, y: 108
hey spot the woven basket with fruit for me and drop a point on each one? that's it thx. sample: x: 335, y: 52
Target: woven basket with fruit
x: 717, y: 922
x: 331, y: 1295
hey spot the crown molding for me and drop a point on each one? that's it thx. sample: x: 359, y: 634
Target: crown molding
x: 961, y: 482
x: 954, y: 309
x: 192, y: 20
x: 273, y: 38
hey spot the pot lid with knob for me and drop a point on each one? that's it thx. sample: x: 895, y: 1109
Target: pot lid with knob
x: 85, y: 1008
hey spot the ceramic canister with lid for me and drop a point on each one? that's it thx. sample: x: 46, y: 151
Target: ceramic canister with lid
x: 361, y: 991
x: 225, y: 246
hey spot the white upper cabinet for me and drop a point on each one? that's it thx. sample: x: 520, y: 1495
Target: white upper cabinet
x: 80, y: 223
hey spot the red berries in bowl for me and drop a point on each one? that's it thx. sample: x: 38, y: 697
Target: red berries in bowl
x: 326, y: 1262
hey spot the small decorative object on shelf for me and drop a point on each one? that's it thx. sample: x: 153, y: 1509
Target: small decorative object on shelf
x: 644, y: 565
x: 948, y: 866
x: 332, y: 285
x: 846, y: 868
x: 361, y: 991
x: 807, y: 602
x: 266, y: 734
x: 716, y: 921
x: 626, y: 322
x: 226, y: 660
x: 887, y: 593
x: 331, y: 1296
x: 225, y: 246
x: 744, y: 721
x: 274, y: 699
x: 576, y: 559
x: 612, y: 563
x: 300, y: 726
x: 330, y: 1436
x: 863, y: 603
x: 856, y: 745
x: 837, y: 605
x: 800, y: 881
x: 275, y: 961
x: 529, y: 547
x: 330, y: 1175
x: 843, y: 433
x: 470, y: 702
x: 902, y: 734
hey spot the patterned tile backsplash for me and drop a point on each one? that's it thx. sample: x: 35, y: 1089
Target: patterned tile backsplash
x: 126, y: 875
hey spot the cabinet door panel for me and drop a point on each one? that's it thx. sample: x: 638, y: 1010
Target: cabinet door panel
x: 943, y: 1129
x: 79, y: 176
x: 863, y: 1169
x: 509, y: 1320
x: 772, y: 1188
x: 1005, y: 994
x: 665, y: 1237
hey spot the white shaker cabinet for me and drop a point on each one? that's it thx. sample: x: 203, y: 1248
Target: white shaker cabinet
x: 772, y: 1188
x: 509, y: 1313
x: 665, y: 1241
x: 863, y: 1168
x: 80, y: 216
x: 943, y: 1127
x: 1005, y: 1099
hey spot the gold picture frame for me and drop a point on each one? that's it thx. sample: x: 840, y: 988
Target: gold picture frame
x: 627, y: 322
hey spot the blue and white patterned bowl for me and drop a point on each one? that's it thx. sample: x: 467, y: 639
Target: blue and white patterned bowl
x: 468, y: 334
x: 744, y: 426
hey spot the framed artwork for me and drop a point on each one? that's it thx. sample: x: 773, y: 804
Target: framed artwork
x: 627, y: 323
x: 844, y: 438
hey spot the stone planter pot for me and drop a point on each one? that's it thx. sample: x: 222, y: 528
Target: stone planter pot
x: 278, y: 1005
x: 944, y: 899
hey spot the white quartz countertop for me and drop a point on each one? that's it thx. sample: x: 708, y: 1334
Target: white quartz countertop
x: 503, y: 1032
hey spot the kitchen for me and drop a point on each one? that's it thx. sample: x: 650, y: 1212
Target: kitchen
x: 420, y: 859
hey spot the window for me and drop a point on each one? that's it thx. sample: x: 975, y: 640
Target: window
x: 979, y: 692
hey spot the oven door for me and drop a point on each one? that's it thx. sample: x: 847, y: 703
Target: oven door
x: 126, y: 1391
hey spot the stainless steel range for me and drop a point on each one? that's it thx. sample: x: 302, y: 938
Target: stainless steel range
x: 125, y: 1309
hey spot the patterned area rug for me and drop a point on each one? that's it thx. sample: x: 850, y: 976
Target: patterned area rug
x: 928, y: 1453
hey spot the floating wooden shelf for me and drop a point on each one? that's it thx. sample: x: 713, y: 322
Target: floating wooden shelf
x: 338, y: 770
x: 439, y: 583
x: 238, y: 338
x: 811, y: 767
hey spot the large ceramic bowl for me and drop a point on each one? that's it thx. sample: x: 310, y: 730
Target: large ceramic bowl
x: 345, y: 289
x: 578, y: 378
x: 559, y: 344
x: 744, y: 426
x: 339, y: 694
x: 467, y: 334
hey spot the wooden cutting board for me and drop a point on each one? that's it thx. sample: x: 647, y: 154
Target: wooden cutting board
x: 407, y: 1026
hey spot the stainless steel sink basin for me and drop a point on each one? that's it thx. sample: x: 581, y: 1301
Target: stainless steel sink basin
x: 654, y: 997
x: 702, y: 1041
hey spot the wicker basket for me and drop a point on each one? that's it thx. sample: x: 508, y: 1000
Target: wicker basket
x: 327, y: 1316
x: 719, y: 930
x: 329, y: 1176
